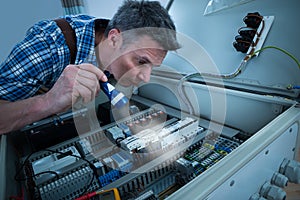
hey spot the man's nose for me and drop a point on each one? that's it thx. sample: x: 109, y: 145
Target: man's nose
x: 145, y: 73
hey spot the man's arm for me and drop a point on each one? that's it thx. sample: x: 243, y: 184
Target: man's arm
x: 75, y: 81
x: 15, y: 115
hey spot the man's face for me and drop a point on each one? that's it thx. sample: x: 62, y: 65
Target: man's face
x: 135, y: 61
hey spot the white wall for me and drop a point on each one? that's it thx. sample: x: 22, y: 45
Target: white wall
x: 17, y: 16
x: 106, y: 8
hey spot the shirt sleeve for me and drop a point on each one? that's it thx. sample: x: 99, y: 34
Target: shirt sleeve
x: 42, y: 56
x: 26, y: 68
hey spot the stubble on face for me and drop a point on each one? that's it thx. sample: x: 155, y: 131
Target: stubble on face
x: 136, y: 58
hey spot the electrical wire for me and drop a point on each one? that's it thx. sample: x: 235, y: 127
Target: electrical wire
x: 243, y: 63
x: 21, y: 168
x: 53, y: 172
x: 93, y: 168
x: 289, y: 87
x: 21, y: 197
x: 181, y: 90
x: 238, y: 71
x: 280, y: 49
x: 182, y: 93
x: 296, y: 87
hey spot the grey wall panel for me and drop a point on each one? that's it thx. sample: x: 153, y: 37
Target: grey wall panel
x: 17, y: 16
x: 216, y: 32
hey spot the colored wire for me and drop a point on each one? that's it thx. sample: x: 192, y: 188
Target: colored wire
x: 21, y: 197
x: 289, y: 87
x: 280, y: 49
x: 296, y: 87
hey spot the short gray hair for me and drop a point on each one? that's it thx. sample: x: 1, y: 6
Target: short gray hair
x: 149, y: 18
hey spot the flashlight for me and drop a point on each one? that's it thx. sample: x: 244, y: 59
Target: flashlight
x: 117, y: 98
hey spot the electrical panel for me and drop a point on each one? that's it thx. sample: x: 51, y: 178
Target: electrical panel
x: 216, y: 135
x: 148, y: 155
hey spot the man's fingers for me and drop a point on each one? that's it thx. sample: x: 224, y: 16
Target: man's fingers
x: 81, y: 82
x: 91, y: 68
x: 88, y: 79
x: 85, y: 93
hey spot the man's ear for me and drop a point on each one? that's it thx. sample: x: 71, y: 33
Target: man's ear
x: 115, y: 38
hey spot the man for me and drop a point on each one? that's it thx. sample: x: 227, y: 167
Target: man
x: 135, y: 39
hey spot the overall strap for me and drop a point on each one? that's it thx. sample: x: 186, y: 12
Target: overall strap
x: 70, y: 37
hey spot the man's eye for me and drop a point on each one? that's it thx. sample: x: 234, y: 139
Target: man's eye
x: 142, y: 62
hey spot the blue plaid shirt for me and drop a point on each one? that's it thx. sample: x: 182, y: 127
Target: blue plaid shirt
x: 42, y: 56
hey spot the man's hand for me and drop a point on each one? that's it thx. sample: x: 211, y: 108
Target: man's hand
x: 76, y: 81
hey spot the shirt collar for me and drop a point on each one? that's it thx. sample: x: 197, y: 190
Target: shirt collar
x: 86, y: 41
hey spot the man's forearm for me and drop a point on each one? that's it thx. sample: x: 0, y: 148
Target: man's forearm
x: 15, y: 115
x: 73, y: 83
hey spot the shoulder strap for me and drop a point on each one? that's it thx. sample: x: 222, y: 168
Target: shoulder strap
x: 100, y: 26
x: 70, y: 37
